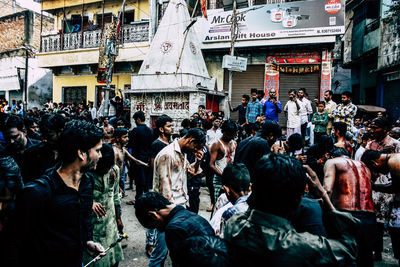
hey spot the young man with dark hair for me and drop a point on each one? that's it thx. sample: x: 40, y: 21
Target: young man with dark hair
x: 214, y: 133
x: 292, y: 110
x: 236, y: 182
x: 305, y: 110
x: 16, y: 138
x: 140, y: 139
x: 222, y: 153
x: 339, y: 131
x: 330, y: 105
x: 121, y: 139
x: 279, y: 184
x: 261, y: 96
x: 177, y: 224
x: 345, y: 112
x: 379, y: 129
x: 253, y: 148
x: 40, y: 157
x: 254, y: 108
x: 365, y: 139
x: 241, y: 108
x: 171, y: 171
x: 54, y: 212
x: 320, y: 119
x: 163, y: 130
x: 355, y: 197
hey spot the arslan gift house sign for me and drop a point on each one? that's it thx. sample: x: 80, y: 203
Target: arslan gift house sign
x: 285, y: 20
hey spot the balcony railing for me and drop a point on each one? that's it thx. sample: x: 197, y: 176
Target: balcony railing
x: 137, y: 32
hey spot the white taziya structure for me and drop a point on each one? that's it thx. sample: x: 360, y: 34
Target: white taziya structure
x: 173, y: 78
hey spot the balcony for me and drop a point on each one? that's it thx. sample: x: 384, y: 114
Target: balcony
x: 137, y: 32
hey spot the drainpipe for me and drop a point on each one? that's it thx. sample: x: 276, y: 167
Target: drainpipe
x: 154, y: 18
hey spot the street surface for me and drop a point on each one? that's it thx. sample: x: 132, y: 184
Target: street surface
x: 135, y: 255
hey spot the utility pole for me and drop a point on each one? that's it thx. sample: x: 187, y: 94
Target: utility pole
x: 233, y: 38
x: 25, y: 92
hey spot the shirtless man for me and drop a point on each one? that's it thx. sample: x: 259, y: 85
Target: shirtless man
x: 108, y: 130
x: 339, y: 132
x: 348, y: 183
x: 120, y: 141
x: 222, y: 153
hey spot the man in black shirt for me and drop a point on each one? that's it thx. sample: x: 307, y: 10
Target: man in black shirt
x: 140, y: 140
x: 242, y: 109
x: 253, y: 148
x: 40, y: 157
x: 155, y: 211
x: 53, y: 213
x: 16, y: 138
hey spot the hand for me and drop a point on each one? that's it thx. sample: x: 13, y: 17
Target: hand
x: 274, y: 101
x: 199, y: 155
x: 98, y: 209
x: 95, y: 249
x: 314, y: 185
x: 120, y: 225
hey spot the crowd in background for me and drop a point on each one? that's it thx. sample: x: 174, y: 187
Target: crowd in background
x: 322, y: 190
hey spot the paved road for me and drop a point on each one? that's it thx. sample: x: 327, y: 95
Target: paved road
x: 135, y: 251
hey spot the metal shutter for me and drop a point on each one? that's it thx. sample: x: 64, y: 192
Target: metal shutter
x: 242, y: 82
x: 289, y: 81
x: 254, y: 78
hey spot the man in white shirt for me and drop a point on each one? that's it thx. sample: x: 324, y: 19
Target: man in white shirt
x: 292, y: 110
x: 305, y: 111
x: 214, y: 133
x: 330, y: 105
x: 170, y: 174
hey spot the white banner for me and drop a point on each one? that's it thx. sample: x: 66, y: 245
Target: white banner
x: 285, y: 20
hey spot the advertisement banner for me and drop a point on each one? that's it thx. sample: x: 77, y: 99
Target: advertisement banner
x: 271, y: 79
x: 325, y: 73
x: 294, y: 57
x: 285, y: 20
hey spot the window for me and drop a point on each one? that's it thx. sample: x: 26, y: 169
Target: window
x: 107, y: 18
x: 74, y: 95
x: 129, y: 16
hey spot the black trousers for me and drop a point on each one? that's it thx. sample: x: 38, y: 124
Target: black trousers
x: 395, y: 237
x: 317, y: 137
x: 365, y: 237
x: 194, y: 199
x: 142, y: 178
x: 380, y: 227
x: 304, y: 129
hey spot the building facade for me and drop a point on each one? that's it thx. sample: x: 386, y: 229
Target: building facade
x: 71, y: 48
x: 288, y: 45
x: 372, y: 53
x: 20, y: 42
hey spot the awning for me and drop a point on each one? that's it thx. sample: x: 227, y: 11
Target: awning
x: 9, y: 80
x: 370, y: 108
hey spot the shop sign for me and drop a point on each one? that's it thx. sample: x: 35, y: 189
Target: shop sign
x: 298, y: 69
x: 325, y: 73
x: 392, y: 76
x: 233, y: 63
x: 284, y: 20
x: 271, y: 79
x: 333, y: 6
x: 295, y: 58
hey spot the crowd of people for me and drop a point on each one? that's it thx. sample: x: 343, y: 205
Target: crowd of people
x: 323, y: 190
